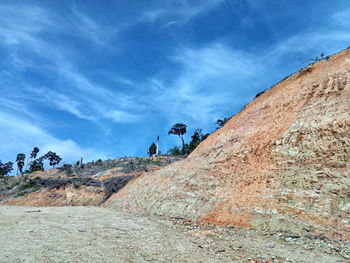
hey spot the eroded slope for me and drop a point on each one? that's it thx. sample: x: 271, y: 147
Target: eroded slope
x: 282, y: 163
x: 89, y: 185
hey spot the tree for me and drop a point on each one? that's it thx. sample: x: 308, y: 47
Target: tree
x: 179, y: 129
x: 20, y: 161
x: 36, y: 165
x: 5, y: 168
x: 175, y: 151
x: 53, y: 158
x: 197, y: 138
x: 221, y: 123
x: 152, y: 149
x: 34, y: 152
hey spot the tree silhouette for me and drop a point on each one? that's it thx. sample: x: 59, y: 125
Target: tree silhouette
x: 53, y: 158
x: 20, y: 161
x: 197, y: 138
x: 221, y: 123
x: 34, y: 152
x: 152, y: 149
x: 179, y: 129
x: 37, y: 164
x: 5, y: 168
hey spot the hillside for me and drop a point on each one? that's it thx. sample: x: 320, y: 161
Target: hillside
x: 282, y: 163
x: 92, y: 184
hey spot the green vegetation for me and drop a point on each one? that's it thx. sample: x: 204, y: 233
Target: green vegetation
x: 5, y: 168
x: 179, y: 129
x: 221, y: 123
x: 31, y: 186
x: 174, y: 151
x: 33, y: 163
x: 37, y: 164
x: 34, y: 152
x: 152, y: 150
x: 197, y: 137
x: 53, y: 158
x: 20, y: 161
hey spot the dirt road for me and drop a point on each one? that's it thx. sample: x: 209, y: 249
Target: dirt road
x: 93, y: 234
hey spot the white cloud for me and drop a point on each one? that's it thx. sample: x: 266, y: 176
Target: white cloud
x: 84, y: 107
x: 206, y: 80
x: 178, y: 11
x: 25, y: 26
x: 58, y: 100
x: 217, y: 75
x: 209, y: 78
x: 90, y: 29
x: 121, y: 116
x: 21, y: 23
x: 22, y: 136
x: 71, y: 152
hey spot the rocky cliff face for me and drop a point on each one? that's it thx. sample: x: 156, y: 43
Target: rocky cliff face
x: 283, y: 163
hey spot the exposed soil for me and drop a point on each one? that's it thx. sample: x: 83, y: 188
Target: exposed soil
x: 95, y: 234
x: 282, y: 163
x: 91, y: 184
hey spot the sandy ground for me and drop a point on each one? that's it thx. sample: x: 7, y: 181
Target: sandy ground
x: 93, y: 234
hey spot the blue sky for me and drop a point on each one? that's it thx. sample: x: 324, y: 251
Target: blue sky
x: 102, y: 79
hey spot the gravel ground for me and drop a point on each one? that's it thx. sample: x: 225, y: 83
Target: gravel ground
x: 94, y: 234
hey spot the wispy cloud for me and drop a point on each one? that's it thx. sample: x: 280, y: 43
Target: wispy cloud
x: 217, y: 75
x: 209, y: 78
x: 20, y: 24
x: 22, y: 136
x: 90, y: 29
x: 25, y: 26
x: 178, y: 11
x: 121, y: 116
x: 93, y: 63
x: 58, y: 100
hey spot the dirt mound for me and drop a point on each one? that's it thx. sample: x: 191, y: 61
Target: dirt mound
x: 67, y: 191
x: 89, y: 185
x: 282, y: 163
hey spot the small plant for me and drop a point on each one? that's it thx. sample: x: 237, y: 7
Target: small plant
x: 68, y: 169
x: 221, y: 123
x: 31, y: 186
x: 317, y: 58
x: 175, y: 151
x: 19, y: 194
x: 259, y: 94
